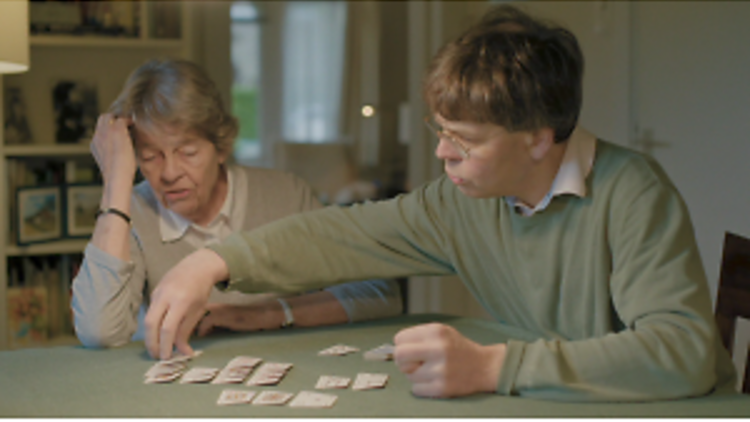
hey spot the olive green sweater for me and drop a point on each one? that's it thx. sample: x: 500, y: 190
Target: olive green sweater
x: 612, y: 283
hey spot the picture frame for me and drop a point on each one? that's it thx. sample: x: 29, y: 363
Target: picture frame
x: 38, y: 214
x: 81, y: 204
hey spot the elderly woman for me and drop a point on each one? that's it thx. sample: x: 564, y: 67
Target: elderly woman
x: 170, y: 123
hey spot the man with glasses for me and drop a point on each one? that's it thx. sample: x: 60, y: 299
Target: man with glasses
x: 581, y: 241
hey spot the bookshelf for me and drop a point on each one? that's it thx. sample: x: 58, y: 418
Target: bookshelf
x: 104, y: 61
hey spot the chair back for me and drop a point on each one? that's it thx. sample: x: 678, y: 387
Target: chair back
x: 733, y: 298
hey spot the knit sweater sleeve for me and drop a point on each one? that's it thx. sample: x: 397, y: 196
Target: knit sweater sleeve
x: 667, y: 347
x: 386, y: 239
x: 107, y: 295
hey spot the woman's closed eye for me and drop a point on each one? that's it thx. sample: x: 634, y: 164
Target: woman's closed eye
x: 189, y: 151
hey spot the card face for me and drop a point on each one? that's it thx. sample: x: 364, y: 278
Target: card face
x: 338, y: 350
x: 160, y: 368
x: 312, y: 399
x: 162, y: 378
x: 331, y: 381
x: 232, y: 375
x: 199, y: 375
x: 272, y: 398
x: 269, y: 373
x: 179, y: 357
x: 365, y: 381
x: 230, y: 397
x: 163, y: 372
x: 244, y: 361
x: 382, y: 352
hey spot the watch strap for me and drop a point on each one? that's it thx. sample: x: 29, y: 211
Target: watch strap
x: 288, y: 316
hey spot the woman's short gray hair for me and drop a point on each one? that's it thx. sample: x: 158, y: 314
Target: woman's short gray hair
x: 177, y: 94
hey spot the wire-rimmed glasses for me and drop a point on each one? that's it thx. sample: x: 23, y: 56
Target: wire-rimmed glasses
x: 441, y: 134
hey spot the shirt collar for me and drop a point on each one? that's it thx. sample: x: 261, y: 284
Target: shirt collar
x: 576, y: 165
x: 173, y: 226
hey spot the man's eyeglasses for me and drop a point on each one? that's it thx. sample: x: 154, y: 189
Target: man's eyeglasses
x: 452, y: 139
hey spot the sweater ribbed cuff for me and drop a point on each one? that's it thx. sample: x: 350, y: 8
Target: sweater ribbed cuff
x: 511, y: 365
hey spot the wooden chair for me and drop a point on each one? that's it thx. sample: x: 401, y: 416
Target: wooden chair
x: 733, y: 299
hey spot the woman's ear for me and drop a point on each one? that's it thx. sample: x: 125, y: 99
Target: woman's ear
x: 540, y: 142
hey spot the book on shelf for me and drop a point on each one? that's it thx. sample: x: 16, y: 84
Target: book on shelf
x: 39, y: 294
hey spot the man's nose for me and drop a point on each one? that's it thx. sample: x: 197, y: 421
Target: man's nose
x: 446, y: 151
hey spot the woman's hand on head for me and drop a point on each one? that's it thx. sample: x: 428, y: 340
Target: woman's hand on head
x: 113, y: 150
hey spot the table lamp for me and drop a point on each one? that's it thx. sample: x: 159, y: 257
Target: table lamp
x: 14, y: 36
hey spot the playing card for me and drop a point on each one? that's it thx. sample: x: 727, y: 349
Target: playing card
x: 273, y: 398
x: 313, y: 400
x: 338, y: 350
x: 365, y: 381
x: 244, y: 361
x: 162, y: 378
x: 269, y: 373
x: 382, y: 352
x: 331, y: 381
x: 165, y: 368
x: 199, y: 375
x: 179, y: 357
x: 229, y: 397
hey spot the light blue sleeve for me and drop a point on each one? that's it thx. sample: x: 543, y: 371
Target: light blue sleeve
x: 369, y: 299
x: 107, y: 295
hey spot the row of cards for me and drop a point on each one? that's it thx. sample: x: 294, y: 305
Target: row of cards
x: 382, y: 352
x: 307, y: 399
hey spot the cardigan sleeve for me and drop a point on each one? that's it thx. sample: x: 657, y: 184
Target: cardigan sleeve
x: 107, y: 296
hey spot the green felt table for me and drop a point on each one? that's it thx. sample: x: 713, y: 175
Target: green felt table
x: 74, y: 381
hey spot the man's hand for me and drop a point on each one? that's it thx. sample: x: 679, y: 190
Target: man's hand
x: 179, y: 301
x: 440, y: 362
x: 268, y: 315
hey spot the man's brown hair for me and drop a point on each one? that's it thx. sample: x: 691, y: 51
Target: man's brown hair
x: 510, y: 70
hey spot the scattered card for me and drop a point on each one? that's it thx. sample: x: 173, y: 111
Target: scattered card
x: 162, y: 378
x: 313, y: 400
x: 338, y: 350
x: 179, y: 357
x: 230, y: 397
x: 272, y: 398
x: 236, y: 370
x: 269, y: 373
x: 245, y: 361
x: 382, y: 352
x: 366, y: 381
x: 330, y: 381
x: 163, y: 372
x: 199, y: 375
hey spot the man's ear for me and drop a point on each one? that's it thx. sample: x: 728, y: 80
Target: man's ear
x: 539, y: 143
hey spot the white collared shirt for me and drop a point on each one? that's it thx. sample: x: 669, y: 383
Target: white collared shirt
x: 174, y: 226
x: 571, y: 177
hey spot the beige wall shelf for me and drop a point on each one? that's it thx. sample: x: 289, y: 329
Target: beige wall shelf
x: 101, y: 42
x: 47, y: 248
x: 41, y: 150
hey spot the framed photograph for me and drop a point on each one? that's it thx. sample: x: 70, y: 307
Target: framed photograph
x: 39, y: 214
x: 81, y: 203
x: 76, y: 110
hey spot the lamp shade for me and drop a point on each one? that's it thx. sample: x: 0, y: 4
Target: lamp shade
x: 14, y: 36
